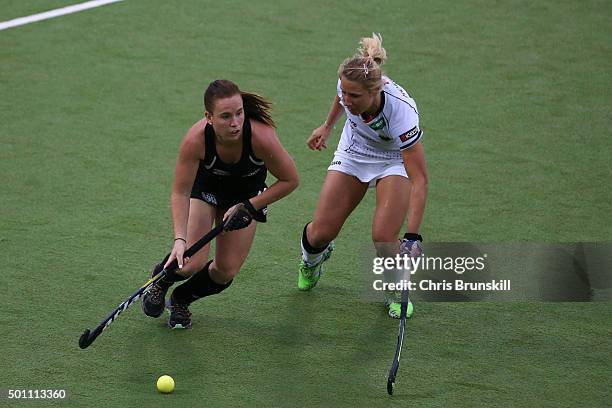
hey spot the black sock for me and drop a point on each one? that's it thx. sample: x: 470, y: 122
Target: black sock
x: 309, y: 248
x: 198, y: 286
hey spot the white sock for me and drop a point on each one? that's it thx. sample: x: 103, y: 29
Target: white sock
x: 311, y: 259
x: 395, y: 276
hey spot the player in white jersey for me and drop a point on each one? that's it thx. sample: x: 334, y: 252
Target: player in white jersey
x: 380, y: 147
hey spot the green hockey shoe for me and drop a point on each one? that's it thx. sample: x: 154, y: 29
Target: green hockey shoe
x: 395, y: 309
x: 308, y: 276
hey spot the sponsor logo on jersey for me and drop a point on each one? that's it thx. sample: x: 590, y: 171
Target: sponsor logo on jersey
x: 412, y: 132
x: 379, y: 124
x: 209, y: 198
x: 336, y: 163
x: 220, y: 172
x: 253, y: 172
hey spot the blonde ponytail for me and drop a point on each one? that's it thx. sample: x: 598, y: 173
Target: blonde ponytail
x: 371, y: 47
x: 364, y: 66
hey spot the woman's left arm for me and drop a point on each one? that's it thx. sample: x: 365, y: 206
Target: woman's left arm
x: 416, y: 167
x: 268, y: 148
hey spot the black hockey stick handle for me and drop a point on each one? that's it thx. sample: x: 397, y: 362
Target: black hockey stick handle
x: 89, y: 336
x: 400, y: 341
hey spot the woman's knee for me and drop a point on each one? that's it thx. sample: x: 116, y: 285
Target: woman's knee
x: 320, y: 234
x: 382, y: 235
x: 194, y: 264
x: 189, y: 269
x: 223, y: 271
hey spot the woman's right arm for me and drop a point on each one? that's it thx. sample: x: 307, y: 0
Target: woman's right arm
x: 190, y: 154
x: 319, y: 136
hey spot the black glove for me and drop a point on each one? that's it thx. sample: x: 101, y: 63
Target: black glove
x: 240, y: 216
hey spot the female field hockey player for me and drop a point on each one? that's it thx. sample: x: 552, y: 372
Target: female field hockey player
x: 380, y: 147
x: 220, y: 176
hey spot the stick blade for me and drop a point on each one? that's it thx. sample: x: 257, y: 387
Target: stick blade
x: 390, y: 387
x: 85, y: 340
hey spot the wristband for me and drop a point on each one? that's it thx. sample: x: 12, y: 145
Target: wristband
x: 182, y: 239
x: 413, y: 237
x: 247, y: 204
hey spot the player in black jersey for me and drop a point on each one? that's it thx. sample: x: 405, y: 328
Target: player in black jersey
x: 220, y: 175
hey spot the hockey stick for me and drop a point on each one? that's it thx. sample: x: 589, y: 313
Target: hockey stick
x: 400, y: 341
x: 89, y: 337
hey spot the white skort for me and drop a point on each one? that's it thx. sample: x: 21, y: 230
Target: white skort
x: 366, y: 170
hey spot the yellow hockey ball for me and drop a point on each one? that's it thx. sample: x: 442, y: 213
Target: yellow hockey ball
x: 165, y: 384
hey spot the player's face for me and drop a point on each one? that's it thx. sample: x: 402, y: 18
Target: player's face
x: 356, y: 97
x: 227, y: 118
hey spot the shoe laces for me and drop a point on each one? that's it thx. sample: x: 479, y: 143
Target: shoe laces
x: 156, y: 294
x: 181, y: 310
x: 310, y: 271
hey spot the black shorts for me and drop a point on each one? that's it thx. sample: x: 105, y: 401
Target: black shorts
x: 224, y: 201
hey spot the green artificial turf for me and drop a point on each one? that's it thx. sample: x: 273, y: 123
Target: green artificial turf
x: 515, y: 104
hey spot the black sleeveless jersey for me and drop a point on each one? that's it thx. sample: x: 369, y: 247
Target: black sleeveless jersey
x: 223, y: 184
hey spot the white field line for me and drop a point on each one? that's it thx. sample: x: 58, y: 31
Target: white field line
x: 54, y: 13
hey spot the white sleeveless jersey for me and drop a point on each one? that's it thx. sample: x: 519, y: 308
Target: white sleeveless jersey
x: 395, y: 128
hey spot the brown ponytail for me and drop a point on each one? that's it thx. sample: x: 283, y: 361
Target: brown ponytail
x: 257, y: 107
